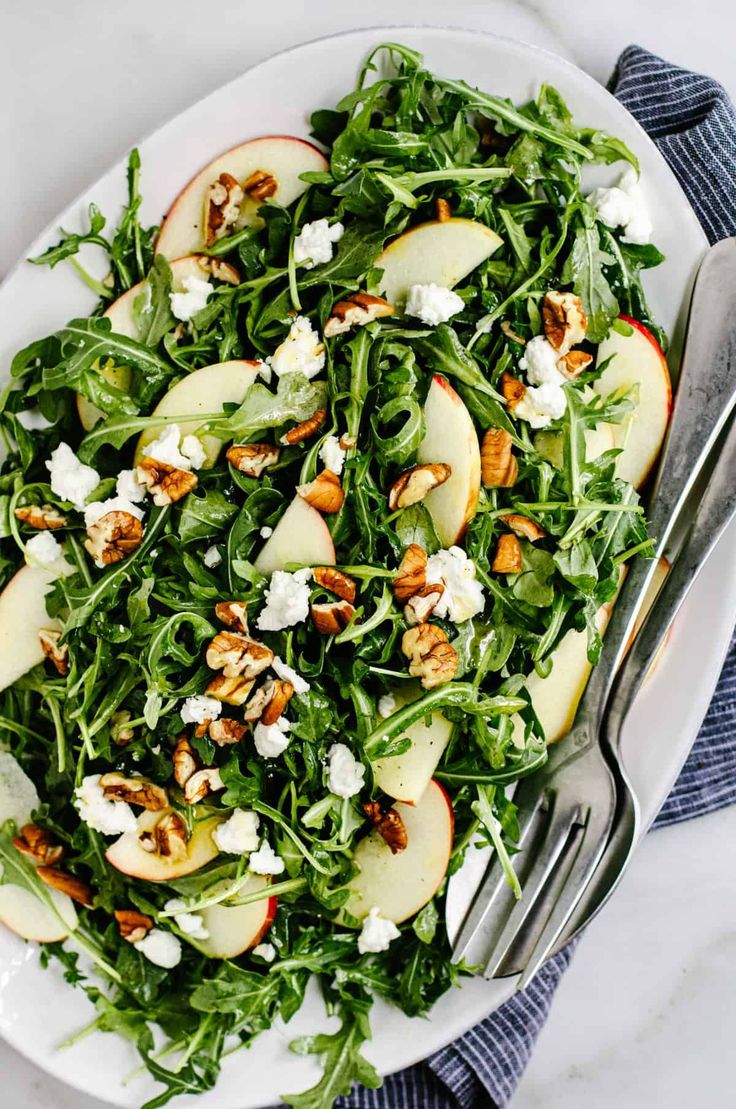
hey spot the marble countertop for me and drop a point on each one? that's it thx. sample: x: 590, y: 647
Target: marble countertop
x: 646, y: 1015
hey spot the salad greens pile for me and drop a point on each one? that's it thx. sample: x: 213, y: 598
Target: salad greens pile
x: 136, y: 631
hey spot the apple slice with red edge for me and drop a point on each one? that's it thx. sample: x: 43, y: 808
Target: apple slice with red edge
x: 400, y: 885
x: 636, y: 358
x: 234, y: 928
x: 204, y: 391
x: 22, y: 616
x: 301, y: 535
x: 405, y: 777
x: 436, y: 252
x: 283, y: 157
x: 450, y: 437
x: 127, y: 855
x: 32, y: 919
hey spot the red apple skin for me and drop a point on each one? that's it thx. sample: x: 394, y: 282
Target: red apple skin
x: 648, y: 335
x: 448, y: 802
x: 270, y: 915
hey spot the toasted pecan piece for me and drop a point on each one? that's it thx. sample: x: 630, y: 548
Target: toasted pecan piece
x: 49, y: 638
x: 305, y: 430
x: 234, y: 614
x: 420, y: 607
x: 38, y: 844
x: 226, y: 731
x: 170, y: 837
x: 332, y: 618
x: 134, y: 791
x: 231, y: 691
x: 498, y: 466
x: 281, y: 693
x: 42, y: 517
x: 431, y: 657
x: 185, y: 761
x: 356, y: 310
x: 509, y: 332
x: 202, y: 783
x: 113, y: 537
x: 442, y: 209
x: 238, y: 655
x: 524, y: 527
x: 166, y: 484
x: 325, y: 493
x: 388, y: 824
x: 512, y: 389
x: 260, y: 185
x: 335, y: 582
x: 219, y: 269
x: 507, y: 558
x: 252, y: 459
x: 73, y: 887
x: 411, y: 576
x: 222, y: 207
x: 413, y: 485
x: 565, y: 322
x: 572, y: 364
x: 122, y: 734
x: 133, y: 926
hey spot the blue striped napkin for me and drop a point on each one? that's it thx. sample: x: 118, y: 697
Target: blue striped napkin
x: 693, y: 122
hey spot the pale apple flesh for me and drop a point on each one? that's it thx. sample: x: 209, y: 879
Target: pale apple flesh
x: 234, y: 928
x: 127, y: 855
x: 440, y: 253
x: 301, y: 536
x: 203, y: 391
x: 22, y: 616
x: 283, y: 157
x: 405, y: 777
x: 402, y: 884
x: 637, y: 359
x: 450, y: 437
x: 31, y: 919
x: 598, y: 440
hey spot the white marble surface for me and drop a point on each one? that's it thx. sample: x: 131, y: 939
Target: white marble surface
x: 646, y: 1016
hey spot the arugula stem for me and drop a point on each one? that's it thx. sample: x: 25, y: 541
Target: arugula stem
x: 92, y: 283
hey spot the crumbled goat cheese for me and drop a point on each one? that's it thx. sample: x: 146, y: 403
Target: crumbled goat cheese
x: 265, y: 860
x: 271, y: 740
x: 128, y: 487
x: 161, y: 948
x: 433, y: 304
x: 287, y: 600
x: 539, y: 363
x: 193, y: 451
x: 192, y: 300
x: 332, y: 454
x: 539, y: 406
x: 287, y: 674
x: 212, y: 558
x: 376, y: 933
x: 265, y: 951
x: 266, y: 532
x: 345, y: 774
x: 199, y: 708
x: 463, y: 595
x: 185, y: 454
x: 99, y: 812
x: 33, y: 419
x: 239, y: 833
x: 191, y: 924
x: 43, y: 548
x: 386, y: 705
x: 71, y: 479
x: 265, y: 371
x: 301, y: 351
x: 315, y: 242
x: 95, y: 511
x: 624, y: 206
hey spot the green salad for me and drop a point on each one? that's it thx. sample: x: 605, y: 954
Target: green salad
x: 292, y: 526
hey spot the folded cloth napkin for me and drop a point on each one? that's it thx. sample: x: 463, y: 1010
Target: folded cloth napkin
x: 693, y: 122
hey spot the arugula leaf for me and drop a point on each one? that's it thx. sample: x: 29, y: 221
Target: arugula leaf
x: 342, y: 1061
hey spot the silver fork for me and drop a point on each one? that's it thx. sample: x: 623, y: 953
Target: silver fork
x: 566, y: 810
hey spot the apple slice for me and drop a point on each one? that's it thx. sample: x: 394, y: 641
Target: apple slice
x: 405, y: 777
x: 637, y: 359
x: 127, y: 855
x: 450, y: 437
x: 28, y: 916
x: 301, y: 535
x: 22, y: 616
x: 400, y: 885
x: 281, y: 156
x: 206, y: 390
x: 234, y: 928
x: 443, y: 253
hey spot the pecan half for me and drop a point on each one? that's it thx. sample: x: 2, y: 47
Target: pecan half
x: 225, y: 731
x: 135, y: 791
x: 282, y: 692
x: 329, y: 619
x: 413, y: 485
x: 411, y: 576
x: 356, y: 310
x: 43, y: 517
x: 164, y: 482
x: 442, y: 209
x: 335, y: 581
x: 524, y: 527
x: 498, y: 466
x: 201, y: 784
x: 512, y: 389
x: 170, y: 837
x: 431, y: 657
x: 66, y: 883
x: 231, y: 691
x: 325, y: 493
x: 305, y: 430
x: 565, y: 322
x: 185, y: 761
x: 221, y: 271
x: 509, y: 332
x: 38, y: 844
x: 257, y: 703
x: 59, y: 656
x: 420, y: 607
x: 237, y: 655
x: 113, y: 537
x: 388, y: 824
x: 122, y: 734
x: 133, y: 926
x: 572, y: 364
x: 222, y: 207
x: 234, y: 614
x: 260, y: 185
x: 507, y: 559
x: 252, y: 459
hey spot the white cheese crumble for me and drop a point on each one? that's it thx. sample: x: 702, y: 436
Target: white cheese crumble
x: 314, y: 245
x: 539, y: 406
x: 301, y: 351
x: 287, y: 600
x: 212, y: 558
x: 463, y: 595
x: 332, y: 454
x: 184, y: 454
x: 191, y: 924
x: 265, y: 951
x: 266, y: 861
x: 377, y: 933
x: 33, y: 419
x: 387, y: 705
x: 238, y: 834
x: 199, y: 708
x: 95, y: 511
x: 43, y: 549
x: 192, y: 300
x: 345, y: 774
x: 160, y: 947
x: 271, y: 740
x: 266, y: 532
x: 540, y: 363
x: 128, y: 487
x: 624, y: 206
x: 288, y: 674
x: 99, y: 812
x: 71, y: 479
x: 433, y: 304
